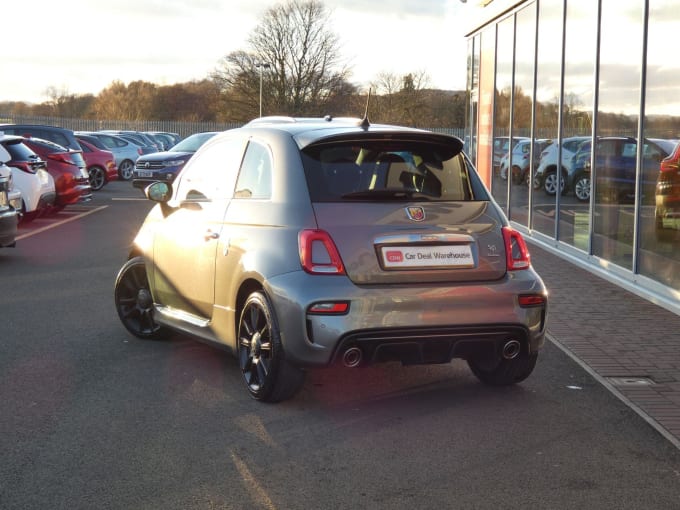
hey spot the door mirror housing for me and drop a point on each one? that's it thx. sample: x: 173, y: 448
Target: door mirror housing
x: 159, y: 191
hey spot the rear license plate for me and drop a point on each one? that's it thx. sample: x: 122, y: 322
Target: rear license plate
x: 427, y: 257
x: 145, y: 173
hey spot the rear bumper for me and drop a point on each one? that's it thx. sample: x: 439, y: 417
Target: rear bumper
x: 8, y: 227
x: 425, y: 324
x: 426, y: 345
x: 79, y: 193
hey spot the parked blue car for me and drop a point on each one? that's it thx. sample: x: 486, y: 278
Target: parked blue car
x: 164, y: 166
x: 616, y: 163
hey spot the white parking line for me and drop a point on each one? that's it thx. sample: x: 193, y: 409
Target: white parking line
x: 58, y: 223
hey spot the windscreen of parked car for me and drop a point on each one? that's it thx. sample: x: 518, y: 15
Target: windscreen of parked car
x: 192, y: 143
x: 381, y: 170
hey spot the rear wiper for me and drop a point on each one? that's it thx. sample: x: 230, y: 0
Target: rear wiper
x: 386, y: 194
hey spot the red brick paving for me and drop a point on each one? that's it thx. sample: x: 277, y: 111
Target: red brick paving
x: 615, y: 333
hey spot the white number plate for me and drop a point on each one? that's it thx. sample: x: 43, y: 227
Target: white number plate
x: 144, y: 173
x: 407, y: 257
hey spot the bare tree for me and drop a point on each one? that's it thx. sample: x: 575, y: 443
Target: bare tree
x: 402, y: 99
x: 305, y: 70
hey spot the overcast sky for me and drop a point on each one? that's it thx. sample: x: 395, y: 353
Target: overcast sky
x: 81, y: 46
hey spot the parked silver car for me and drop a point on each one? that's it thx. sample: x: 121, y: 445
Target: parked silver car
x: 307, y: 242
x: 124, y: 151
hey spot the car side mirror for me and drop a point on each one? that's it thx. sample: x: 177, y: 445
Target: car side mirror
x: 4, y: 155
x: 159, y: 191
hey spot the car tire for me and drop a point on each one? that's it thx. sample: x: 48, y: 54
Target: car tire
x: 268, y: 376
x: 126, y: 169
x: 97, y: 177
x: 550, y: 183
x: 582, y: 187
x: 503, y: 372
x: 517, y: 175
x: 28, y: 216
x: 134, y: 302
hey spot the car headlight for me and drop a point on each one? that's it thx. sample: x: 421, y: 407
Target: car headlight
x: 174, y: 162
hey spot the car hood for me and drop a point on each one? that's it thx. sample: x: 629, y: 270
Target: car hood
x: 165, y: 156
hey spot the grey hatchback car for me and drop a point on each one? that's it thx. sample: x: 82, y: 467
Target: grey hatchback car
x: 300, y: 243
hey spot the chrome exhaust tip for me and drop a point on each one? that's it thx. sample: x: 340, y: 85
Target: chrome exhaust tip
x: 352, y: 357
x: 511, y: 349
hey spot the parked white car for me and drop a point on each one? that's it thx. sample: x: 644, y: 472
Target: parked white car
x: 30, y: 177
x: 8, y: 214
x: 546, y: 173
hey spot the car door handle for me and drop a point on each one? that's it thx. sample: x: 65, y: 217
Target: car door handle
x: 209, y: 235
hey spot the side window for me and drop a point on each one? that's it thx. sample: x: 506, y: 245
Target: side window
x: 57, y: 137
x: 653, y: 152
x: 629, y: 150
x: 211, y: 173
x: 607, y: 148
x: 255, y: 178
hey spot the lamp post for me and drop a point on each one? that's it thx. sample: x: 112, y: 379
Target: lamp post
x: 260, y: 66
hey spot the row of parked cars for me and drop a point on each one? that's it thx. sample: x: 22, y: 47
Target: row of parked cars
x: 616, y: 160
x: 46, y: 168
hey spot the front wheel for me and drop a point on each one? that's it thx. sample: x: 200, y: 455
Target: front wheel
x: 550, y: 184
x: 266, y: 373
x: 582, y: 187
x: 97, y: 177
x: 518, y: 176
x: 126, y: 169
x: 503, y: 372
x: 134, y: 302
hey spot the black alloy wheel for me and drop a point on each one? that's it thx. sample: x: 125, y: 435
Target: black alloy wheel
x: 267, y: 375
x: 97, y: 177
x: 503, y: 372
x: 134, y: 302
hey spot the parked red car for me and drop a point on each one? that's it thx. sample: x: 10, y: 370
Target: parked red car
x: 101, y: 164
x: 67, y: 168
x: 667, y: 196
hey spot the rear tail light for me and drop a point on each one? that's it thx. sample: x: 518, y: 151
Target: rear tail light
x: 516, y: 252
x: 62, y: 157
x: 25, y: 167
x: 318, y: 253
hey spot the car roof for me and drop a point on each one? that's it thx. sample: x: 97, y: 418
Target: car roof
x: 306, y: 131
x: 10, y: 138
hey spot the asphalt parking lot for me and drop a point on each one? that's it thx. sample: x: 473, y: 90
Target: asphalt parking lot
x: 91, y: 417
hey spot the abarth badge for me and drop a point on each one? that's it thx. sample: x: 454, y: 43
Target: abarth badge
x: 415, y: 213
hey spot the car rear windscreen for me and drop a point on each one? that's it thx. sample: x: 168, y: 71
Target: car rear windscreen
x: 382, y: 170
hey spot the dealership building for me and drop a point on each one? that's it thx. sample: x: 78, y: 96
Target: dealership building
x: 589, y: 78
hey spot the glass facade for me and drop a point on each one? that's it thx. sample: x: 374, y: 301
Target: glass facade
x: 563, y: 91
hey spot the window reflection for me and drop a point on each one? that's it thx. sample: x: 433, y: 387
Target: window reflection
x: 548, y: 65
x: 659, y: 256
x: 520, y: 161
x: 472, y: 98
x: 577, y: 121
x: 618, y: 115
